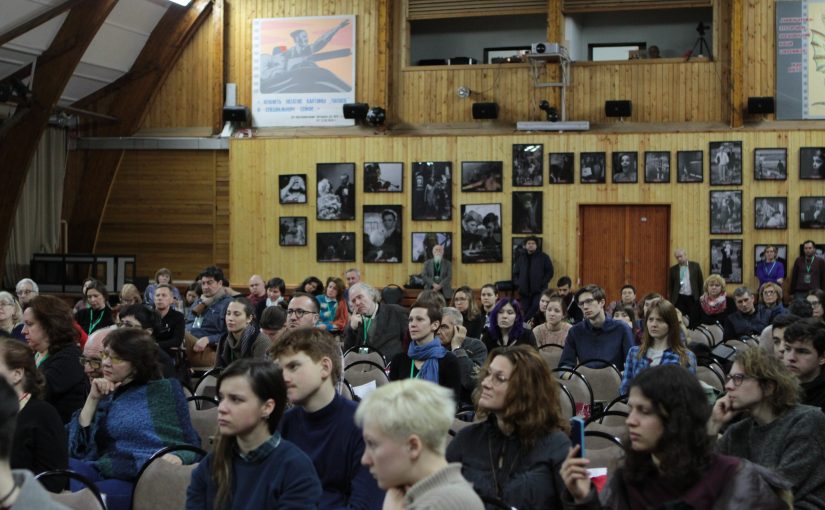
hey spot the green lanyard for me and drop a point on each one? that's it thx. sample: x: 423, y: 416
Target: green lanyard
x: 808, y: 266
x: 412, y: 369
x: 93, y: 325
x: 367, y: 324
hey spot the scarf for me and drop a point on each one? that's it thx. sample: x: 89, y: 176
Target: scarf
x: 250, y: 333
x: 431, y: 353
x: 713, y: 306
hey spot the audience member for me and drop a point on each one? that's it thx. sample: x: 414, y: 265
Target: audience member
x: 532, y: 272
x: 438, y: 273
x: 193, y: 292
x: 770, y: 300
x: 770, y: 269
x: 382, y: 328
x: 808, y: 271
x: 352, y: 276
x: 243, y: 337
x: 312, y: 285
x: 628, y: 298
x: 747, y: 319
x: 257, y: 290
x: 464, y: 301
x: 507, y: 326
x: 302, y: 311
x: 653, y: 51
x: 172, y: 324
x: 538, y: 318
x: 97, y: 314
x: 275, y: 294
x: 804, y: 356
x: 554, y: 329
x: 470, y: 352
x: 203, y: 335
x: 129, y: 295
x: 430, y: 297
x: 138, y: 316
x: 162, y: 276
x: 333, y: 313
x: 83, y: 303
x: 489, y: 298
x: 91, y: 360
x: 272, y: 323
x: 564, y: 289
x: 627, y: 314
x: 684, y: 284
x: 815, y: 298
x: 26, y: 290
x: 11, y: 316
x: 714, y: 304
x: 772, y: 338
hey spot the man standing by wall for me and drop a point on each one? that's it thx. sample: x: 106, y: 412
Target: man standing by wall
x: 684, y: 284
x: 438, y: 272
x: 808, y: 271
x: 532, y: 272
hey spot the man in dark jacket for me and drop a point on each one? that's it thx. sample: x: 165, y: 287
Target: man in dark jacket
x: 747, y: 320
x: 684, y: 284
x: 804, y: 356
x: 380, y: 327
x: 532, y: 272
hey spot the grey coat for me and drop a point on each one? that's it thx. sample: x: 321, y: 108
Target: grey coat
x: 446, y: 276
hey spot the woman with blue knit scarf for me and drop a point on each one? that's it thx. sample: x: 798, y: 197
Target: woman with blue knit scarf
x: 427, y: 358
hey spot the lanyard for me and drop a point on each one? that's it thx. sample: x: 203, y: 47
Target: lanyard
x: 771, y: 269
x: 93, y: 325
x: 367, y: 324
x: 412, y: 369
x: 808, y: 266
x: 437, y: 267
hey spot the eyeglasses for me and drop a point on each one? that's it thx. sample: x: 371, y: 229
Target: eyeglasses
x: 92, y: 362
x: 814, y: 302
x: 768, y: 291
x: 116, y: 360
x: 737, y: 378
x: 298, y: 312
x: 496, y: 380
x: 587, y: 302
x: 24, y: 292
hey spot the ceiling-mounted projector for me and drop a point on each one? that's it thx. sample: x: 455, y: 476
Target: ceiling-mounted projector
x: 544, y: 47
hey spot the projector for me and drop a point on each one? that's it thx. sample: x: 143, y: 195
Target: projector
x: 544, y: 47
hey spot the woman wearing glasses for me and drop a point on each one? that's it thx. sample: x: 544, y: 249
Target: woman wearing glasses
x: 11, y: 315
x: 130, y: 414
x: 465, y: 302
x: 770, y: 299
x: 816, y: 298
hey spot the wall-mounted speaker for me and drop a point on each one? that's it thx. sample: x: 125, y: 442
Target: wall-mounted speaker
x: 485, y: 110
x: 621, y: 108
x: 763, y: 105
x: 357, y: 111
x: 238, y: 114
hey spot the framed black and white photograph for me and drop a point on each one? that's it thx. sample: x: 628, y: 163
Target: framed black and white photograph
x: 657, y: 167
x: 770, y: 164
x: 625, y: 167
x: 812, y: 212
x: 561, y: 167
x: 481, y: 233
x: 690, y: 166
x: 292, y: 231
x: 383, y: 240
x: 770, y: 212
x: 726, y: 259
x: 726, y: 212
x: 518, y: 246
x: 432, y: 194
x: 336, y: 191
x: 478, y: 176
x: 812, y: 163
x: 528, y: 164
x: 423, y: 242
x: 383, y: 177
x: 592, y: 165
x: 527, y: 212
x: 335, y: 246
x: 725, y: 163
x: 292, y: 189
x: 781, y: 256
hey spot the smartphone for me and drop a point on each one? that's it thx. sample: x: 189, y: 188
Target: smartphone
x: 577, y: 434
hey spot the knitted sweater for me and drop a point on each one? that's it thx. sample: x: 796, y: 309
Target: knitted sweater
x: 445, y: 489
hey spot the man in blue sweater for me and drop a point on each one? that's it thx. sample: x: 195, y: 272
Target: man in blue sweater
x: 597, y: 336
x: 322, y: 423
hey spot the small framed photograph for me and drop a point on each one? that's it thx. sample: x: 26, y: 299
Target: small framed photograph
x: 383, y: 177
x: 812, y: 163
x: 812, y: 212
x: 528, y: 164
x: 592, y: 166
x: 518, y: 246
x: 336, y: 191
x: 726, y: 212
x: 781, y: 255
x: 432, y: 194
x: 382, y: 233
x: 657, y: 166
x: 726, y: 259
x: 480, y: 176
x: 481, y: 233
x: 725, y: 163
x: 292, y: 231
x: 690, y: 166
x: 770, y: 164
x: 561, y: 167
x: 292, y: 189
x: 625, y: 167
x: 335, y: 246
x: 423, y: 242
x: 527, y: 212
x: 771, y: 212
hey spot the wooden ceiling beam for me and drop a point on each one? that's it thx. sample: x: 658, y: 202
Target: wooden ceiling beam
x: 38, y: 20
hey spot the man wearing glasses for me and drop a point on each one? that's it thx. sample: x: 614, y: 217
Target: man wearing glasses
x: 747, y: 320
x: 302, y: 311
x: 26, y: 291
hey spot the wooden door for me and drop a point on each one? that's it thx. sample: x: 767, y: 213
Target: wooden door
x: 621, y: 244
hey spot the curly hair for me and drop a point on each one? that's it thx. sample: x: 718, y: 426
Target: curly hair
x: 138, y: 348
x: 518, y: 326
x: 779, y: 386
x: 714, y: 278
x: 533, y: 408
x: 57, y: 321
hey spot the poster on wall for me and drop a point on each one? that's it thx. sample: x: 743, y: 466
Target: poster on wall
x: 303, y: 70
x: 800, y: 59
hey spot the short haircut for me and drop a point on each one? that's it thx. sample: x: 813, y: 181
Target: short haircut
x: 454, y: 314
x: 163, y: 272
x: 490, y: 286
x: 27, y: 281
x: 564, y: 280
x: 651, y: 296
x: 314, y: 305
x: 595, y: 290
x: 627, y: 310
x: 353, y: 270
x: 166, y: 286
x: 809, y: 241
x: 139, y: 349
x: 366, y: 288
x: 714, y: 278
x: 807, y: 329
x: 783, y: 320
x: 278, y: 283
x: 9, y: 406
x: 771, y: 285
x: 213, y: 272
x: 741, y: 291
x: 801, y: 308
x: 273, y: 317
x: 548, y: 293
x: 769, y: 371
x: 433, y: 310
x: 410, y: 407
x: 628, y: 286
x: 315, y: 343
x: 430, y: 296
x: 531, y: 238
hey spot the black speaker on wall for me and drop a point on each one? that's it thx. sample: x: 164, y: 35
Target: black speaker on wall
x: 622, y: 108
x: 238, y: 114
x: 763, y: 105
x: 357, y: 111
x: 485, y: 110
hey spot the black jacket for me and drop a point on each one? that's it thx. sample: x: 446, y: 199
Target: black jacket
x: 66, y: 383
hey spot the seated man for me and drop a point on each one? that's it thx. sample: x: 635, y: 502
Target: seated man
x: 321, y: 423
x: 202, y: 336
x: 370, y: 325
x: 471, y: 352
x: 804, y: 356
x: 597, y: 336
x: 772, y: 338
x: 172, y: 325
x: 747, y: 319
x: 302, y: 311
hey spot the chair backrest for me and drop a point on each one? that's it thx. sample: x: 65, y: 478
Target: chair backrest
x: 604, y: 381
x: 161, y: 484
x: 699, y: 336
x: 578, y: 386
x: 205, y: 422
x: 710, y: 377
x: 716, y: 332
x: 208, y: 383
x: 737, y: 344
x: 364, y: 372
x: 355, y: 354
x: 346, y: 391
x: 551, y: 353
x: 88, y: 498
x: 392, y: 294
x: 567, y: 402
x: 197, y: 402
x: 602, y: 449
x: 610, y: 422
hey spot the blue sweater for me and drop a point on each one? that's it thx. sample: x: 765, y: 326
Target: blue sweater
x: 335, y: 445
x: 610, y: 343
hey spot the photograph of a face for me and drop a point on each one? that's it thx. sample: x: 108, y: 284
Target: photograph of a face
x: 479, y: 176
x: 690, y: 166
x: 528, y: 164
x: 383, y: 177
x: 423, y: 242
x: 812, y: 163
x: 382, y: 233
x: 726, y: 212
x: 771, y: 212
x: 292, y: 189
x: 726, y: 259
x: 561, y: 167
x: 335, y: 246
x: 657, y: 166
x: 725, y: 163
x: 527, y: 212
x: 592, y: 168
x: 293, y: 231
x: 812, y: 212
x: 481, y: 233
x: 770, y: 164
x: 336, y: 191
x: 432, y: 194
x: 625, y: 167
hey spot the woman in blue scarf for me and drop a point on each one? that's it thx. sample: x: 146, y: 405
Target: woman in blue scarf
x: 426, y: 358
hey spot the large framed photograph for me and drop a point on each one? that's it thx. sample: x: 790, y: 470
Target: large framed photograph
x: 657, y: 166
x: 726, y: 259
x: 382, y: 233
x: 481, y: 233
x: 771, y: 212
x: 528, y: 164
x: 292, y: 231
x: 383, y: 177
x: 423, y: 242
x: 781, y: 255
x: 561, y: 167
x: 479, y: 176
x: 336, y: 191
x: 770, y: 164
x: 335, y: 246
x: 592, y: 165
x: 812, y: 163
x: 292, y: 189
x: 432, y: 194
x: 726, y: 212
x: 812, y: 212
x: 625, y: 167
x: 690, y: 166
x: 725, y: 163
x: 527, y: 212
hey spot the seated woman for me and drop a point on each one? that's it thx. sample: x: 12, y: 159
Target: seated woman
x: 538, y: 319
x: 465, y: 302
x: 405, y: 427
x: 770, y: 298
x: 627, y: 314
x: 251, y: 466
x: 714, y: 304
x: 243, y: 337
x: 130, y: 414
x: 11, y: 315
x: 816, y: 298
x: 130, y: 295
x: 507, y: 326
x: 97, y: 315
x: 669, y: 456
x: 662, y: 344
x: 333, y: 314
x: 515, y: 453
x: 39, y: 439
x: 488, y: 297
x: 555, y: 327
x: 163, y: 275
x: 311, y: 285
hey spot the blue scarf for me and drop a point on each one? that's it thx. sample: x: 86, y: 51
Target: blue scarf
x: 431, y: 353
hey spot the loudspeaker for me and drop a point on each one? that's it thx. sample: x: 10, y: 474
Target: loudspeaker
x: 621, y: 108
x: 235, y: 114
x: 485, y: 110
x: 761, y: 105
x: 357, y: 111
